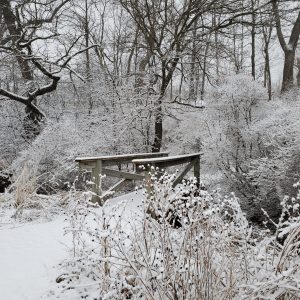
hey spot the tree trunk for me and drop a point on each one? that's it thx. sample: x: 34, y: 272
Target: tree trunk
x: 87, y: 58
x: 167, y: 75
x: 268, y: 74
x: 31, y: 122
x: 267, y: 33
x: 253, y: 33
x: 204, y: 68
x: 288, y: 70
x: 288, y: 48
x: 158, y: 127
x: 298, y: 75
x: 217, y: 56
x: 192, y: 86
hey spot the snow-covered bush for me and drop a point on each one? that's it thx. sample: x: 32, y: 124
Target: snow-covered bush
x: 214, y: 254
x: 232, y: 114
x: 257, y: 146
x: 253, y: 143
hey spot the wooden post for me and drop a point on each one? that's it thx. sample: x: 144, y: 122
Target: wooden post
x: 96, y: 173
x: 197, y: 170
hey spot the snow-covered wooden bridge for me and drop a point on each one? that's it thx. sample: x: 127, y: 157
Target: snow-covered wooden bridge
x: 140, y: 164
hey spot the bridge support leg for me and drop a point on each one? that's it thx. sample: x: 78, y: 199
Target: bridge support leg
x: 96, y: 177
x: 197, y: 170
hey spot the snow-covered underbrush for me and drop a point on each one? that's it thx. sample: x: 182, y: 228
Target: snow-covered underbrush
x: 182, y: 244
x: 21, y: 202
x: 250, y: 145
x: 36, y: 208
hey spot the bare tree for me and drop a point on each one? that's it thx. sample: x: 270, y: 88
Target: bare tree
x: 267, y: 29
x: 27, y: 26
x: 167, y: 28
x: 289, y: 48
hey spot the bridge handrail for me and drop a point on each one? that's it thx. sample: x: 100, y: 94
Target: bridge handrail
x: 121, y: 156
x: 172, y: 159
x: 192, y: 160
x: 117, y: 159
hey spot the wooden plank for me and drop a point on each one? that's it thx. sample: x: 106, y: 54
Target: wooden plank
x: 169, y: 158
x: 164, y: 162
x: 121, y: 174
x: 197, y: 170
x: 183, y: 173
x: 128, y: 159
x: 119, y: 159
x: 118, y: 186
x: 96, y: 172
x: 87, y: 165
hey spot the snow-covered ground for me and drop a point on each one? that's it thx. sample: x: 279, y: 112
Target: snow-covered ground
x: 30, y: 254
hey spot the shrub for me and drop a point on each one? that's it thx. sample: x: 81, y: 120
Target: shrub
x: 250, y: 145
x: 215, y: 254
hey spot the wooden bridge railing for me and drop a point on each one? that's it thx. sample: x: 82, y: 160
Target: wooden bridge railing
x: 97, y: 165
x: 192, y: 160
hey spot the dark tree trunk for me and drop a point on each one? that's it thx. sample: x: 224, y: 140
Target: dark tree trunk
x: 288, y: 48
x: 167, y: 74
x: 204, y: 69
x: 298, y: 75
x: 158, y: 128
x: 268, y: 74
x: 192, y: 85
x: 288, y: 70
x: 31, y: 122
x: 15, y: 33
x: 253, y: 46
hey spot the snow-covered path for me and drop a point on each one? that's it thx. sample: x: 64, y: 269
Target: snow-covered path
x: 28, y: 256
x: 31, y: 252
